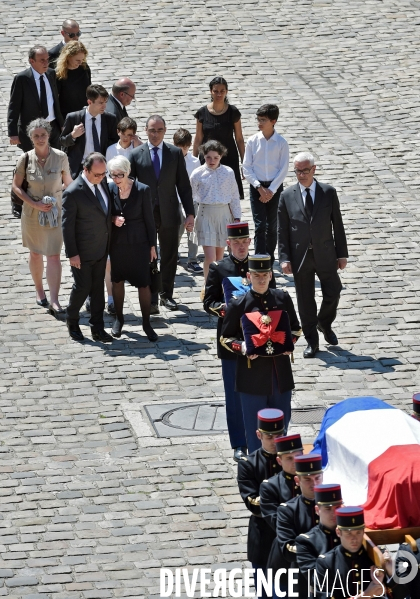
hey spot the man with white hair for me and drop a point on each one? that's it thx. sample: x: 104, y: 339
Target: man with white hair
x: 312, y: 241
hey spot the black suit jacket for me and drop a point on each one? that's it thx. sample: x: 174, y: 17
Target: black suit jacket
x: 25, y: 105
x: 325, y: 230
x: 75, y: 148
x: 113, y: 107
x: 54, y: 53
x: 173, y: 176
x: 86, y: 227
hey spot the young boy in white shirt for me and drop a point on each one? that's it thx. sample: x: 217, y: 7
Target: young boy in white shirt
x: 183, y: 139
x: 265, y: 167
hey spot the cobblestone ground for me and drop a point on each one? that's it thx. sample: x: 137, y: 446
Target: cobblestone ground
x: 93, y: 503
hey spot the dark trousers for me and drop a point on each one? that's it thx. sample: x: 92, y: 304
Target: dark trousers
x: 27, y: 145
x: 168, y: 245
x: 88, y: 280
x: 252, y: 404
x: 265, y: 220
x: 234, y: 417
x: 305, y: 293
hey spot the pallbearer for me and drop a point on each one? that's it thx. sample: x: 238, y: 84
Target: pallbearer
x: 346, y: 562
x: 260, y: 328
x: 323, y: 537
x: 252, y: 471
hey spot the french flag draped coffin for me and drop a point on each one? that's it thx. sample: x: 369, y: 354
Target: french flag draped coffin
x: 373, y: 450
x: 267, y: 334
x: 234, y: 287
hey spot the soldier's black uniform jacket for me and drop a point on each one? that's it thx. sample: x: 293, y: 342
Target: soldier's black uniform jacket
x: 412, y: 589
x: 274, y: 491
x: 214, y: 298
x: 347, y: 564
x: 309, y: 546
x: 252, y: 470
x: 294, y: 517
x: 255, y: 376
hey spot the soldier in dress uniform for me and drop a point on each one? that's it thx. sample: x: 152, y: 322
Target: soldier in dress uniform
x: 416, y: 406
x: 252, y: 470
x: 344, y: 564
x: 234, y: 265
x: 298, y: 515
x: 282, y: 486
x: 323, y: 537
x: 262, y: 381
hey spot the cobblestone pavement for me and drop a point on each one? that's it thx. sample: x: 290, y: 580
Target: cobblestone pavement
x: 93, y: 503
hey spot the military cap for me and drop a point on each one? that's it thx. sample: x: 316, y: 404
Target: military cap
x: 416, y: 405
x: 271, y: 421
x: 310, y: 463
x: 328, y: 494
x: 350, y: 518
x: 237, y: 230
x: 259, y: 263
x: 288, y: 444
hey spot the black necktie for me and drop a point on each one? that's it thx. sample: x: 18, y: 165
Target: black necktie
x: 124, y: 111
x: 44, y: 103
x: 100, y: 198
x: 309, y: 205
x: 95, y: 137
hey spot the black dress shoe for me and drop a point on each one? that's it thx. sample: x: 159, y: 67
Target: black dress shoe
x: 169, y: 303
x: 101, y: 335
x: 329, y: 335
x: 239, y: 453
x: 111, y: 309
x: 117, y: 328
x: 75, y: 332
x: 310, y: 351
x: 154, y: 309
x: 151, y: 334
x: 44, y: 302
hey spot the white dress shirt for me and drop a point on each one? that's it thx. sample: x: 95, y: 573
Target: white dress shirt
x: 312, y: 187
x: 152, y: 154
x: 191, y: 162
x: 266, y: 160
x: 100, y: 187
x: 216, y: 186
x: 88, y: 132
x: 50, y: 98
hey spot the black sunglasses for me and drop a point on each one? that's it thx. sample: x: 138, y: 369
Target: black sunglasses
x: 72, y: 35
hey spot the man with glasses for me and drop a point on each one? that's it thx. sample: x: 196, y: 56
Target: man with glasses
x: 161, y: 166
x: 123, y: 93
x: 86, y: 221
x: 312, y: 241
x: 70, y: 32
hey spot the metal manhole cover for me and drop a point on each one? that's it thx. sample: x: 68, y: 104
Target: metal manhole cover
x: 307, y: 415
x: 171, y: 420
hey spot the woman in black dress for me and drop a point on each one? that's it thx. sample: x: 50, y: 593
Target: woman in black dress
x: 133, y: 242
x: 73, y: 77
x: 221, y: 121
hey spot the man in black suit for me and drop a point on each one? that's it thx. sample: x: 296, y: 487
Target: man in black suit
x: 34, y: 95
x: 86, y: 221
x: 70, y: 31
x: 123, y: 93
x: 89, y: 130
x: 161, y: 166
x: 311, y: 240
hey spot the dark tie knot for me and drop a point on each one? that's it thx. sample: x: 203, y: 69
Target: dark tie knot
x: 155, y: 149
x: 308, y: 191
x: 94, y: 119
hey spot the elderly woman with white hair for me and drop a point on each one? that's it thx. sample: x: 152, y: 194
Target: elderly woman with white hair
x: 133, y: 242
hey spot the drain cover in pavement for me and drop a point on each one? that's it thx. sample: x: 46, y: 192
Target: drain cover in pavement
x: 178, y: 420
x: 307, y: 415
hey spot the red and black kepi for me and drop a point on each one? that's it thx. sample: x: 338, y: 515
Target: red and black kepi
x: 237, y: 230
x: 328, y: 494
x: 271, y: 421
x: 350, y: 518
x: 288, y: 444
x: 310, y: 463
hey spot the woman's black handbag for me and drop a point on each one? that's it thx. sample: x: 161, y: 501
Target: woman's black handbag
x: 155, y: 277
x: 15, y: 200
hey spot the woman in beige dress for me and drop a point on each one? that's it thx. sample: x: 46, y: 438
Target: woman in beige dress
x: 47, y: 174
